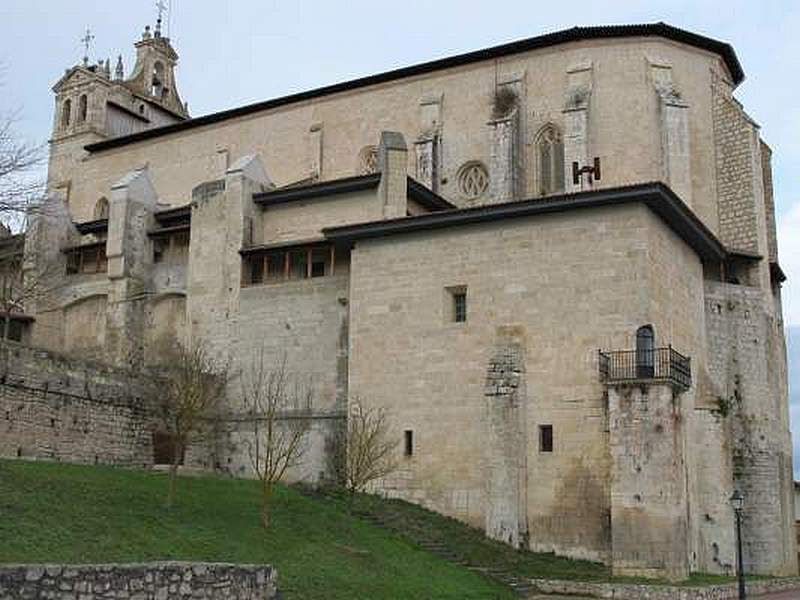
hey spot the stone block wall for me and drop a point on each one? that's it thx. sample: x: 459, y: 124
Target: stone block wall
x: 59, y: 408
x: 741, y: 333
x: 158, y: 581
x: 648, y: 481
x: 566, y: 286
x: 734, y: 137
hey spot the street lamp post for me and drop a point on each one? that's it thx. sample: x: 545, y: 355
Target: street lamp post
x: 737, y: 501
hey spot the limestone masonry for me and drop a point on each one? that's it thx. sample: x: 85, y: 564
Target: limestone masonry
x: 159, y: 581
x: 553, y: 262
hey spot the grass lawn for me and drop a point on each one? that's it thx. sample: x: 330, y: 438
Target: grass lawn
x: 51, y: 512
x: 78, y: 514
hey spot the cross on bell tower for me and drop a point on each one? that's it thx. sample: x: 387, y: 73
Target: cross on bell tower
x: 161, y: 9
x: 86, y: 40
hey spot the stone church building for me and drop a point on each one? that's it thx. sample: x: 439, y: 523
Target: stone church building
x: 553, y: 261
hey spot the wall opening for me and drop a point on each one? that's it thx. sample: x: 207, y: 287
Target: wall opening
x: 83, y: 108
x: 66, y: 113
x: 457, y: 299
x: 550, y: 160
x: 545, y: 438
x: 645, y: 346
x: 408, y: 442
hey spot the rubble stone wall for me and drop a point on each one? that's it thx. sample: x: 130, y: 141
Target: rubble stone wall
x: 153, y: 580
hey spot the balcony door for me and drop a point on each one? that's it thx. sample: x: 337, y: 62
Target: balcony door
x: 645, y: 349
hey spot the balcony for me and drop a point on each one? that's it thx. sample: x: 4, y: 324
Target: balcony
x: 656, y: 365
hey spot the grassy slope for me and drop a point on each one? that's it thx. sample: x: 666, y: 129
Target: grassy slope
x: 66, y: 513
x: 415, y: 522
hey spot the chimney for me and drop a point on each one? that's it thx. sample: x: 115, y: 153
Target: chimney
x: 393, y: 166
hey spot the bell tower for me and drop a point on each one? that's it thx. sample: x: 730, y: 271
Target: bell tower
x: 91, y: 105
x: 154, y: 73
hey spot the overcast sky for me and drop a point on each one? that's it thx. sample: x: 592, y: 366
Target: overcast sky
x: 243, y: 51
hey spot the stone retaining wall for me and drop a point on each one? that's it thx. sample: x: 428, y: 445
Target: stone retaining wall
x: 151, y: 581
x: 620, y: 591
x: 61, y: 408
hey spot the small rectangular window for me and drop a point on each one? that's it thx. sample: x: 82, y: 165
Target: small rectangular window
x: 545, y: 438
x: 460, y: 306
x: 455, y: 304
x: 409, y: 443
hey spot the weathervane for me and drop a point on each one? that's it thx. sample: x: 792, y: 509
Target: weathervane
x: 87, y: 41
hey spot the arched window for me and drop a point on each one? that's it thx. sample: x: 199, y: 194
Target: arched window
x: 550, y: 160
x: 101, y: 209
x: 83, y: 108
x: 157, y: 88
x: 645, y: 351
x: 66, y: 113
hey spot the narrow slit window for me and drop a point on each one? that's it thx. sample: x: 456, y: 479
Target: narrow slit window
x: 460, y: 306
x: 409, y: 442
x: 545, y: 438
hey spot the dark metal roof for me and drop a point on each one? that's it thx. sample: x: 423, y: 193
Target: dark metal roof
x: 326, y: 189
x: 776, y: 272
x: 96, y: 226
x: 318, y: 190
x: 169, y: 230
x: 723, y: 49
x: 427, y: 197
x: 656, y: 196
x: 284, y: 245
x: 77, y: 247
x: 15, y: 316
x: 172, y: 217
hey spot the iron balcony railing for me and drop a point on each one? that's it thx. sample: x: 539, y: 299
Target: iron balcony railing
x: 657, y: 364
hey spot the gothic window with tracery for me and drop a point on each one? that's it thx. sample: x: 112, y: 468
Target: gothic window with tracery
x: 473, y: 179
x: 368, y: 160
x: 550, y: 160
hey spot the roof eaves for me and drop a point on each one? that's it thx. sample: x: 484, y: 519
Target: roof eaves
x: 260, y: 248
x: 96, y: 226
x: 318, y: 190
x: 427, y: 197
x: 658, y: 197
x: 723, y: 49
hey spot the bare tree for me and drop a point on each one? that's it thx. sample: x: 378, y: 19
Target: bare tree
x: 279, y: 405
x: 190, y: 397
x: 21, y: 187
x: 364, y: 450
x: 21, y: 192
x: 21, y: 284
